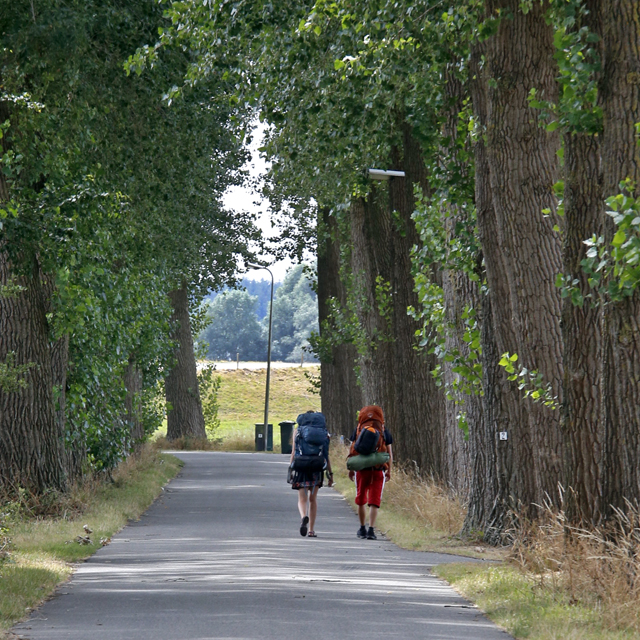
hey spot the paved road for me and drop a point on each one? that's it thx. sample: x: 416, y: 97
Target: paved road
x: 219, y: 556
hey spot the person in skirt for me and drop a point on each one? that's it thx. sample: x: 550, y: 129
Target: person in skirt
x: 307, y: 483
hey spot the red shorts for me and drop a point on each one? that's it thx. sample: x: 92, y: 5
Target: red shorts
x: 369, y: 486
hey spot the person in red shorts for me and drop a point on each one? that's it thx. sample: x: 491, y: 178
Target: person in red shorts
x: 369, y: 487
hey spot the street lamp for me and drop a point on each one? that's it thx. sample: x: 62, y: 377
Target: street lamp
x: 381, y: 174
x: 266, y: 393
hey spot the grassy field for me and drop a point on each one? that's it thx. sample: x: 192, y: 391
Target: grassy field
x: 44, y: 549
x: 241, y: 397
x: 241, y: 405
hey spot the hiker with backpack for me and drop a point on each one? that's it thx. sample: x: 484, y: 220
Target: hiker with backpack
x: 309, y: 460
x: 369, y: 464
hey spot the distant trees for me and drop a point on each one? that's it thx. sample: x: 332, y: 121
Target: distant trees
x: 235, y: 326
x: 295, y: 316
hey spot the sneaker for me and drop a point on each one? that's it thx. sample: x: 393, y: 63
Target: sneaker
x: 371, y: 534
x: 304, y: 526
x: 362, y: 532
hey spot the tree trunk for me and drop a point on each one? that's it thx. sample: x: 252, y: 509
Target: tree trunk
x: 31, y: 446
x: 524, y: 256
x: 460, y: 294
x: 487, y: 505
x: 339, y: 391
x: 620, y: 99
x: 75, y: 451
x: 59, y: 366
x: 133, y: 417
x: 582, y: 332
x: 371, y: 267
x: 419, y: 429
x: 184, y: 409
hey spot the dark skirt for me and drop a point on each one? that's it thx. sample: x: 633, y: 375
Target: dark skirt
x: 306, y: 480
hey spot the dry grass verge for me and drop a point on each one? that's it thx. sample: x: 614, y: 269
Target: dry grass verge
x: 597, y: 568
x: 416, y: 513
x: 44, y: 541
x: 562, y: 582
x: 233, y: 441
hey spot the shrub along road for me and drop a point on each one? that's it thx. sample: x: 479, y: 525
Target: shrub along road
x: 219, y: 555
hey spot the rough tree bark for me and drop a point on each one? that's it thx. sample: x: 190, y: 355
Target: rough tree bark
x: 419, y: 426
x: 582, y: 325
x: 371, y: 264
x: 184, y: 412
x: 524, y: 256
x: 31, y: 447
x: 133, y: 387
x: 339, y: 391
x: 582, y: 332
x: 487, y: 505
x: 620, y: 99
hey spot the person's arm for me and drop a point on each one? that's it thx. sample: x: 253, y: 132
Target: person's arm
x: 352, y: 474
x: 329, y: 473
x: 390, y: 452
x: 328, y: 459
x: 293, y: 442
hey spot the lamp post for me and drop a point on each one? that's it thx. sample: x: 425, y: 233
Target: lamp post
x: 381, y: 174
x: 266, y: 393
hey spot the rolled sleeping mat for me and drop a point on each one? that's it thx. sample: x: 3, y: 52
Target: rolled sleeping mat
x: 357, y: 463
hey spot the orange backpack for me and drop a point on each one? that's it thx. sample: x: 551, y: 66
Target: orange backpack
x: 370, y: 420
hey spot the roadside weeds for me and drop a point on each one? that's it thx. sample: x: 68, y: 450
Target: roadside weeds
x: 42, y: 549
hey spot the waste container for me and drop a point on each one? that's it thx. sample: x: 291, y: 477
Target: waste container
x: 260, y: 437
x: 286, y: 431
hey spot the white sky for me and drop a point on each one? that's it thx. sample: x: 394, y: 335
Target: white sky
x: 244, y: 199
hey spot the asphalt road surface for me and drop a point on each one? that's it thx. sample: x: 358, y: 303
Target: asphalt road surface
x: 219, y: 556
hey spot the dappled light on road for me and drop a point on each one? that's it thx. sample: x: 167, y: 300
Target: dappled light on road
x: 220, y: 556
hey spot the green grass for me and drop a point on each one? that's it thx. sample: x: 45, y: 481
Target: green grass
x: 241, y: 405
x: 524, y: 607
x: 43, y: 550
x: 241, y: 397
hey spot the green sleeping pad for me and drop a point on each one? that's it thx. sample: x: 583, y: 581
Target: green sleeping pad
x: 357, y: 463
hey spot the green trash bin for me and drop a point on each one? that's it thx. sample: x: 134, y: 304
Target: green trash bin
x: 286, y: 432
x: 260, y: 437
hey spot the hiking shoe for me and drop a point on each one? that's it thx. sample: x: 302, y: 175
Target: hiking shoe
x: 371, y: 534
x: 303, y: 526
x: 362, y: 532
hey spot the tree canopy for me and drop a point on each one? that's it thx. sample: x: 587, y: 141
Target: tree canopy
x: 487, y: 299
x: 111, y: 197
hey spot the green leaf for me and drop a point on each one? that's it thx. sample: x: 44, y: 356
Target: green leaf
x: 552, y: 126
x: 619, y: 238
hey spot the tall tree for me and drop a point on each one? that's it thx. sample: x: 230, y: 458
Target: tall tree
x: 96, y: 193
x: 337, y: 358
x: 620, y: 99
x: 234, y: 327
x: 524, y: 256
x: 184, y: 410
